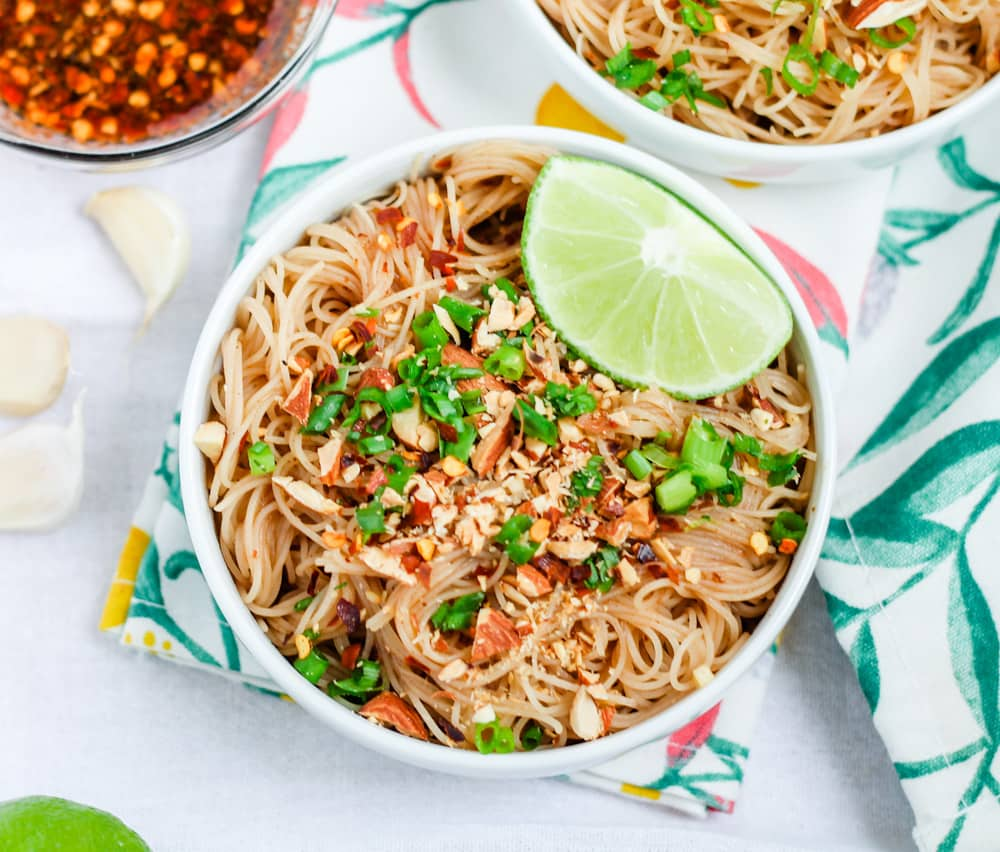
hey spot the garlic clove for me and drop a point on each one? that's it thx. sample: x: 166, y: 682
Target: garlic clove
x: 34, y: 359
x: 43, y: 473
x: 150, y: 233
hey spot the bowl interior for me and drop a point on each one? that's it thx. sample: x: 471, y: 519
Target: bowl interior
x: 295, y: 32
x: 364, y: 181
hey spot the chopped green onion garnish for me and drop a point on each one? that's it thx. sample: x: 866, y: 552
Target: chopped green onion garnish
x: 627, y: 71
x: 676, y: 493
x: 569, y: 402
x: 654, y: 100
x: 663, y: 437
x: 375, y: 444
x: 507, y: 361
x: 504, y: 285
x: 535, y: 424
x: 322, y: 415
x: 461, y: 448
x: 682, y: 57
x: 768, y: 76
x: 531, y: 736
x: 513, y: 528
x: 371, y: 518
x: 601, y: 563
x: 732, y: 494
x: 638, y: 465
x: 702, y: 444
x: 907, y: 25
x: 400, y: 473
x: 840, y: 71
x: 697, y: 17
x: 313, y: 667
x: 261, y: 459
x: 513, y: 535
x: 366, y: 312
x: 801, y: 54
x: 493, y: 738
x: 472, y: 402
x: 365, y: 679
x: 428, y: 330
x: 458, y: 614
x: 462, y: 314
x: 339, y: 384
x: 303, y: 605
x: 788, y: 525
x: 659, y: 456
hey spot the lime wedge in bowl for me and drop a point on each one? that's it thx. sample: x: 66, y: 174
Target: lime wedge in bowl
x: 643, y: 287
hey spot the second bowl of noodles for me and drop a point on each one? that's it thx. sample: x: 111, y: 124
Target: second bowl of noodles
x: 436, y: 526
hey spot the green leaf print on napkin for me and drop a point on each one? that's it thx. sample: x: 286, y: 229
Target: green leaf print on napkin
x: 952, y: 372
x: 865, y: 660
x: 955, y: 164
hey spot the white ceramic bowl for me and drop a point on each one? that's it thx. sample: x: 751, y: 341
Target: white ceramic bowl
x: 365, y: 180
x: 733, y: 158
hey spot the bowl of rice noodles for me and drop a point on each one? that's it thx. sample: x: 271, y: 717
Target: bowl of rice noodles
x: 529, y: 610
x: 786, y: 91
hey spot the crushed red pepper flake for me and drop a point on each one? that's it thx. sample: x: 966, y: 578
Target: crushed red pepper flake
x: 111, y: 72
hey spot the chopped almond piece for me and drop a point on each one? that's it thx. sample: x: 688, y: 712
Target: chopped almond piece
x: 453, y: 467
x: 531, y: 582
x: 702, y: 675
x: 759, y: 543
x: 693, y: 575
x: 494, y: 634
x: 376, y: 377
x: 306, y: 495
x: 788, y: 545
x: 453, y: 670
x: 299, y: 399
x: 607, y: 716
x: 210, y: 438
x: 488, y: 451
x: 452, y: 354
x: 426, y: 548
x: 574, y: 551
x: 584, y: 717
x: 334, y: 540
x: 628, y: 574
x: 329, y: 459
x: 386, y: 565
x: 390, y: 709
x: 639, y: 514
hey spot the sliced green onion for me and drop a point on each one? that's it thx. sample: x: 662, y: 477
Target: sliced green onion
x: 732, y: 494
x: 397, y: 399
x: 663, y: 437
x: 507, y: 361
x: 439, y: 407
x: 654, y: 100
x: 400, y: 473
x: 461, y: 447
x: 375, y: 444
x: 907, y: 25
x: 638, y: 465
x: 493, y: 738
x: 457, y: 614
x: 428, y: 330
x: 788, y: 525
x: 531, y: 736
x: 513, y: 528
x: 535, y: 424
x: 303, y: 605
x: 768, y: 76
x: 365, y: 679
x: 366, y: 312
x: 505, y: 286
x: 710, y: 98
x: 322, y: 415
x: 627, y: 71
x: 313, y: 667
x: 709, y: 477
x: 697, y: 17
x: 371, y: 518
x: 801, y: 54
x: 261, y: 459
x: 660, y: 457
x: 702, y: 444
x: 569, y: 402
x: 521, y: 552
x: 462, y: 314
x: 676, y: 492
x: 339, y: 384
x: 682, y: 57
x: 839, y: 70
x: 472, y: 402
x: 588, y: 481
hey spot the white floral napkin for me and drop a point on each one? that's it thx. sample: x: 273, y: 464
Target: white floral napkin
x: 390, y: 71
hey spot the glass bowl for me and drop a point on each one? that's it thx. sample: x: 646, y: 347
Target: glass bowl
x: 251, y: 92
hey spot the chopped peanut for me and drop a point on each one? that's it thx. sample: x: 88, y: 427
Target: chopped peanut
x: 702, y: 675
x: 759, y: 543
x: 897, y: 62
x: 539, y: 530
x: 693, y: 575
x: 453, y: 467
x: 303, y: 647
x: 426, y: 548
x: 210, y: 438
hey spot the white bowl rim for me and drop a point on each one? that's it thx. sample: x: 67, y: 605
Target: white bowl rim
x: 759, y: 153
x: 332, y: 194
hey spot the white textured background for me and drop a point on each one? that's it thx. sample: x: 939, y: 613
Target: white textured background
x: 194, y: 762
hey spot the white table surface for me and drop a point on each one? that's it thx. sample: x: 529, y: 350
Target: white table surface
x: 195, y: 762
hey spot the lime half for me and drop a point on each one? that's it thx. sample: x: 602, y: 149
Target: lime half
x: 643, y: 287
x: 44, y: 824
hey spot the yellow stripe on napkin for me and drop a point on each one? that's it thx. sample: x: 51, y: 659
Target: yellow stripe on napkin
x: 120, y: 594
x: 641, y: 792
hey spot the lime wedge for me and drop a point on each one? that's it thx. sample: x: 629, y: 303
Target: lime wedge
x: 643, y: 287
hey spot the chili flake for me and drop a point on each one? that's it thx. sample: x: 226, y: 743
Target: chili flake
x: 110, y: 72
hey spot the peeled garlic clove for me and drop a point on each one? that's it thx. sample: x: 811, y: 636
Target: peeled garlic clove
x: 34, y: 358
x: 150, y: 232
x: 42, y: 479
